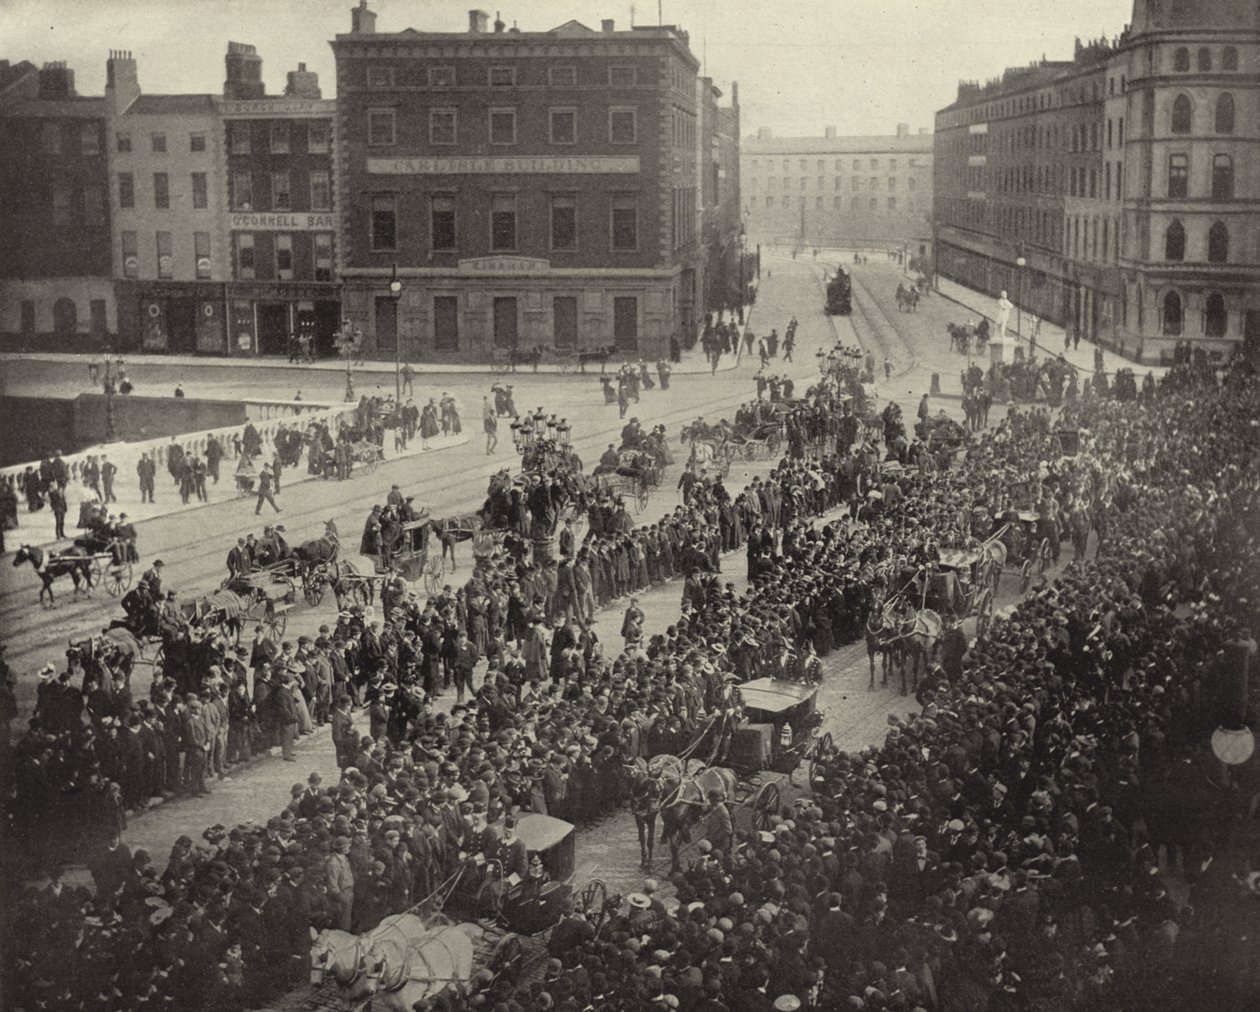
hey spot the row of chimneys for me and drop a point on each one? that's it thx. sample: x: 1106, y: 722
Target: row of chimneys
x: 363, y: 22
x: 903, y: 130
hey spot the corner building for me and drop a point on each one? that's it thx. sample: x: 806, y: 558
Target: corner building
x: 529, y: 188
x: 1128, y: 178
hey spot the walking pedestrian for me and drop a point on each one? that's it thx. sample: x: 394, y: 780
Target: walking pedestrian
x: 146, y: 469
x: 57, y: 501
x: 489, y: 422
x: 108, y: 470
x: 887, y: 368
x: 266, y: 485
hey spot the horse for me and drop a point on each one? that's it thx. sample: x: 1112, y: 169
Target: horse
x: 342, y: 953
x: 321, y: 550
x: 73, y: 562
x: 911, y: 640
x: 600, y: 355
x: 403, y: 967
x: 685, y: 795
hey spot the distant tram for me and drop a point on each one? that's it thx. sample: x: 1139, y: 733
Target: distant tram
x: 839, y: 294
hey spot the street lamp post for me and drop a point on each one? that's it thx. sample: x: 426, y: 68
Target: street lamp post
x: 107, y: 386
x: 1020, y: 262
x: 395, y: 289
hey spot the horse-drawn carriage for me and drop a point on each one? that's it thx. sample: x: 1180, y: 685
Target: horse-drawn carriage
x: 761, y: 442
x: 633, y: 477
x: 263, y: 597
x: 419, y: 551
x: 781, y: 727
x: 963, y: 585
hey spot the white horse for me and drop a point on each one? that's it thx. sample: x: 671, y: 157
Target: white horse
x: 342, y: 954
x: 402, y: 968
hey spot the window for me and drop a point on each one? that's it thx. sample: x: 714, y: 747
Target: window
x: 625, y: 223
x: 855, y: 203
x: 1178, y: 175
x: 281, y: 195
x: 1181, y: 59
x: 196, y: 142
x: 1175, y: 242
x: 380, y: 77
x: 562, y: 77
x: 284, y: 257
x: 239, y: 138
x: 769, y: 202
x: 837, y: 202
x: 201, y: 255
x: 874, y: 204
x: 1222, y: 177
x: 502, y: 126
x: 165, y: 255
x: 1218, y: 243
x: 563, y: 124
x: 1225, y: 113
x: 441, y: 126
x: 857, y: 182
x: 1204, y: 59
x: 623, y: 77
x: 502, y: 77
x: 159, y: 143
x: 874, y: 182
x: 441, y: 77
x: 563, y: 222
x: 130, y: 255
x: 380, y: 127
x: 818, y: 203
x: 1229, y: 58
x: 874, y: 163
x: 123, y: 142
x: 321, y: 191
x: 622, y: 126
x: 323, y: 256
x: 910, y: 184
x: 246, y: 265
x: 50, y: 138
x: 892, y: 203
x: 1172, y: 314
x: 503, y: 221
x: 89, y: 139
x: 126, y: 190
x: 446, y: 323
x: 94, y: 198
x: 278, y: 141
x: 1182, y: 115
x: 384, y: 221
x: 242, y: 196
x: 317, y: 134
x: 442, y: 222
x: 1214, y: 318
x: 161, y: 190
x: 199, y: 190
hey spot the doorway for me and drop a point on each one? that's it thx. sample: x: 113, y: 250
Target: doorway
x: 181, y: 325
x: 327, y: 325
x: 386, y: 323
x: 273, y: 328
x: 505, y: 334
x: 564, y: 326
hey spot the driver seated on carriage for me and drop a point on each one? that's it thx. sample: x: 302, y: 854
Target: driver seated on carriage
x: 632, y: 435
x: 144, y: 613
x: 608, y: 461
x: 271, y: 547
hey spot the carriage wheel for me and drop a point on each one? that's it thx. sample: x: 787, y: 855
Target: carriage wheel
x: 434, y: 572
x: 1025, y: 575
x: 118, y: 579
x: 773, y: 442
x: 765, y: 804
x: 506, y: 953
x: 95, y: 572
x: 593, y: 898
x: 369, y: 463
x: 313, y: 586
x: 641, y: 495
x: 275, y: 624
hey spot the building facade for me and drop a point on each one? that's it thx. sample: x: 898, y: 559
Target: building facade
x: 56, y: 288
x: 1125, y: 179
x: 839, y: 191
x: 720, y: 224
x: 527, y: 189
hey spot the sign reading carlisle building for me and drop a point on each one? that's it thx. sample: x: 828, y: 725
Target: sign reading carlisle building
x: 525, y: 188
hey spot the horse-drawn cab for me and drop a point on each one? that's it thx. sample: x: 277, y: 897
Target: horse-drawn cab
x: 536, y: 902
x: 962, y: 585
x: 780, y: 726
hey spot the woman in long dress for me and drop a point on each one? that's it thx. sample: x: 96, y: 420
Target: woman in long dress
x: 428, y: 423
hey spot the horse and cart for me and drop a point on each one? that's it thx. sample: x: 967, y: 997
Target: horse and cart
x: 633, y: 477
x: 87, y: 567
x: 418, y: 550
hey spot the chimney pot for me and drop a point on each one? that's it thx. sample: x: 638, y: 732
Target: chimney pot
x: 903, y: 129
x: 830, y: 133
x: 477, y: 21
x: 608, y: 25
x: 362, y: 20
x: 498, y: 23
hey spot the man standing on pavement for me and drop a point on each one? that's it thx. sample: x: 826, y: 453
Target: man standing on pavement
x: 197, y: 743
x: 339, y: 881
x: 57, y: 502
x: 146, y: 469
x: 466, y: 657
x: 632, y: 623
x: 265, y: 488
x: 489, y: 422
x: 108, y: 470
x: 287, y: 718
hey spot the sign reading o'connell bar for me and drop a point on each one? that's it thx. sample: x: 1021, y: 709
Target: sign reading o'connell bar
x: 301, y: 222
x: 602, y: 164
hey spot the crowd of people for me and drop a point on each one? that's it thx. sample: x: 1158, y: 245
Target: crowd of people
x: 1005, y: 848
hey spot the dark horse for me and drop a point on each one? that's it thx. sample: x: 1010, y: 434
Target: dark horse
x: 685, y: 786
x: 73, y: 562
x: 600, y: 355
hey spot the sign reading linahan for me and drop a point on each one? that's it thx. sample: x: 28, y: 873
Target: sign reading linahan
x: 602, y: 164
x: 300, y: 222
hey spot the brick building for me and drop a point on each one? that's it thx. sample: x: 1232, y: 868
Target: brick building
x: 839, y: 191
x: 1126, y: 178
x: 530, y: 188
x: 56, y: 289
x: 721, y: 216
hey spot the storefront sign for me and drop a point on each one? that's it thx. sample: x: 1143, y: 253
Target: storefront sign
x: 274, y: 107
x: 504, y: 265
x: 509, y: 165
x: 291, y: 222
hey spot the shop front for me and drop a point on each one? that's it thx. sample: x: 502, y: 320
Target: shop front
x: 267, y: 319
x: 171, y: 317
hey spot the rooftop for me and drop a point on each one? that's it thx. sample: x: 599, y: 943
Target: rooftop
x: 911, y: 144
x: 172, y: 105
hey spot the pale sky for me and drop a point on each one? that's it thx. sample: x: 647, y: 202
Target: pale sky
x: 862, y: 65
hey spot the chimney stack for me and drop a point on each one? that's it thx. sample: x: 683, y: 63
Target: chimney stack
x: 735, y: 94
x: 499, y: 24
x: 56, y: 80
x: 903, y: 129
x: 608, y: 26
x: 830, y: 133
x: 764, y: 134
x: 362, y: 20
x: 478, y: 21
x: 244, y: 72
x: 923, y: 131
x: 122, y: 80
x: 303, y: 83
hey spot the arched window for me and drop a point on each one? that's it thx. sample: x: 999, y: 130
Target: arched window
x: 1214, y: 318
x: 1229, y: 58
x: 1175, y: 242
x: 1172, y: 314
x: 1182, y: 115
x: 65, y: 316
x: 1218, y: 243
x: 1181, y: 59
x: 1222, y: 178
x: 1225, y: 113
x: 1205, y: 59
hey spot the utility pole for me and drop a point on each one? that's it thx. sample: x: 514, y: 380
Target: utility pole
x: 395, y: 289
